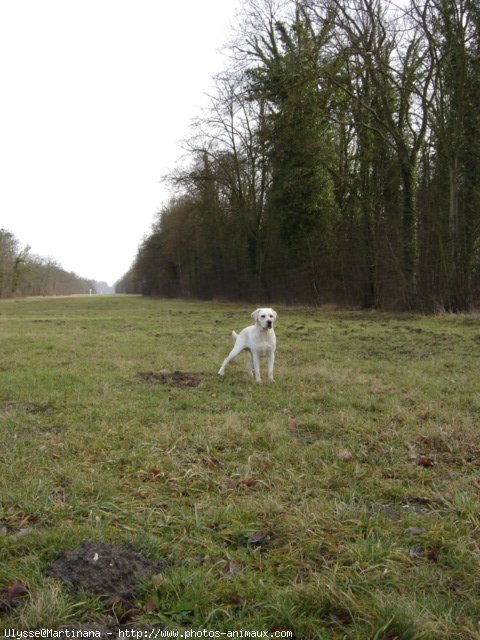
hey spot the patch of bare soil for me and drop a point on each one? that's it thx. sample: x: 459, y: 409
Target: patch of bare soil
x: 174, y: 379
x: 112, y: 571
x: 11, y: 596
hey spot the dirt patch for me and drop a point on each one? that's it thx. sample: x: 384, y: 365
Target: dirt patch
x: 174, y: 379
x: 113, y: 571
x: 11, y: 596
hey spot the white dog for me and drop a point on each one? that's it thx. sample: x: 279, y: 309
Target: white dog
x: 259, y: 339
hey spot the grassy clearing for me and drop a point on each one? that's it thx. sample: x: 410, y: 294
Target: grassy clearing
x: 341, y: 502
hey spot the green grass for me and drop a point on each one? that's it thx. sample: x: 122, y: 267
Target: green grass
x: 371, y: 428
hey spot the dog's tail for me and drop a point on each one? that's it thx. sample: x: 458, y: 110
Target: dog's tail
x: 234, y: 335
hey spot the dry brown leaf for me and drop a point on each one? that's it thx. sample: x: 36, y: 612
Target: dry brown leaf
x: 425, y: 461
x: 292, y: 424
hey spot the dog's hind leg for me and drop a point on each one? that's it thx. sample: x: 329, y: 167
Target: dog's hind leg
x: 233, y: 354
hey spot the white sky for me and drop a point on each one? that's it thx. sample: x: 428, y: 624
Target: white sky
x: 95, y: 98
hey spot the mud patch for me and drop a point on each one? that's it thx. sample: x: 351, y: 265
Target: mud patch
x: 174, y: 379
x: 112, y: 571
x: 11, y: 596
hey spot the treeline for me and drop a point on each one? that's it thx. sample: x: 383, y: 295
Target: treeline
x: 24, y: 274
x: 340, y: 161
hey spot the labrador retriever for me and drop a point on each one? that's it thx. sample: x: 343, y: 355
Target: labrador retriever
x: 259, y: 340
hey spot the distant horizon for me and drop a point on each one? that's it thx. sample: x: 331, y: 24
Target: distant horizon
x: 25, y: 245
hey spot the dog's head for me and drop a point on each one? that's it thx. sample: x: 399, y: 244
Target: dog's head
x: 265, y: 317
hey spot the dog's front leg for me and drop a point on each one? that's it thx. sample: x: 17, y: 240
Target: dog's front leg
x: 256, y: 365
x: 271, y: 362
x: 250, y: 364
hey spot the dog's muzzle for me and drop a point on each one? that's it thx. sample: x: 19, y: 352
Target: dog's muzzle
x: 269, y: 324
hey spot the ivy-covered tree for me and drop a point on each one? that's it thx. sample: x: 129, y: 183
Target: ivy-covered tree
x: 301, y: 207
x: 339, y: 161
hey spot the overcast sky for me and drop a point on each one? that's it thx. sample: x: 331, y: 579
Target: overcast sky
x: 96, y: 97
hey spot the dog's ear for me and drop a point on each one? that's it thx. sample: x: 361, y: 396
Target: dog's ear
x: 274, y: 314
x: 255, y: 314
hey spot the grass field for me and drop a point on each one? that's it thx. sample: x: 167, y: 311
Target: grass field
x: 343, y: 501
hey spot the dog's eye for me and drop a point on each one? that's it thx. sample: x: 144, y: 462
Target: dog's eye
x: 262, y: 316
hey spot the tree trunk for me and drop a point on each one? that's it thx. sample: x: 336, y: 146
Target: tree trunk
x: 409, y: 232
